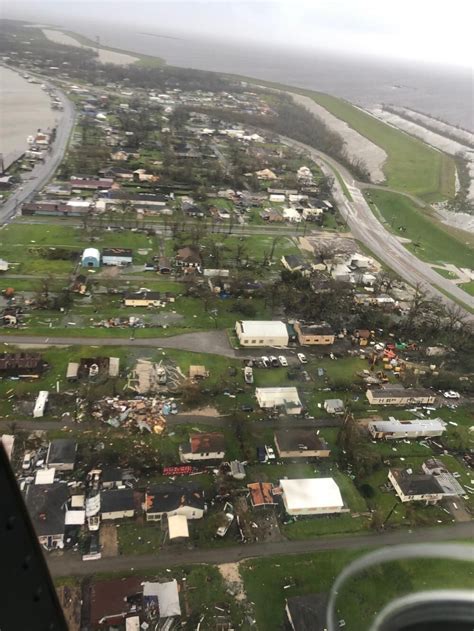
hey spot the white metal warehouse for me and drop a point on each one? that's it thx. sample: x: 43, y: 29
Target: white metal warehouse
x: 262, y: 333
x: 312, y: 496
x: 287, y: 398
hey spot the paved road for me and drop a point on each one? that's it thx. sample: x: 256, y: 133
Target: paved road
x: 214, y: 342
x: 173, y: 421
x: 43, y: 170
x: 368, y: 230
x: 70, y: 565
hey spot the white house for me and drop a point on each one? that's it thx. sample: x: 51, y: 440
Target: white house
x: 312, y: 496
x: 416, y: 428
x: 291, y: 214
x: 262, y: 333
x: 173, y: 500
x: 201, y: 447
x: 286, y: 398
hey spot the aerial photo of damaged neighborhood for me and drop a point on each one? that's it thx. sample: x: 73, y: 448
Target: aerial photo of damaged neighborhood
x: 236, y: 347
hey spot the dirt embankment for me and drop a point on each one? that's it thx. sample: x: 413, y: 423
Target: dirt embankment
x: 357, y: 146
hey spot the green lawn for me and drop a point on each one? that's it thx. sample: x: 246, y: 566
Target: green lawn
x: 430, y: 241
x: 266, y: 579
x: 468, y: 287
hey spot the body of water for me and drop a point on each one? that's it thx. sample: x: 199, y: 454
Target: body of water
x: 443, y: 92
x: 24, y: 108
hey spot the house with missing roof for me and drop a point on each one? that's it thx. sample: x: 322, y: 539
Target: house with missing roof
x: 172, y: 500
x: 262, y: 333
x: 46, y: 504
x: 300, y: 443
x: 203, y: 447
x: 395, y: 394
x: 312, y: 496
x: 416, y: 428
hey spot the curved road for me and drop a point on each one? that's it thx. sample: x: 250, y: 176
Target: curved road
x: 69, y: 564
x: 368, y: 230
x: 41, y: 174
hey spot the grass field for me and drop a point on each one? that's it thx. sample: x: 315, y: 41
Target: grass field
x: 468, y: 287
x: 269, y: 582
x: 435, y: 243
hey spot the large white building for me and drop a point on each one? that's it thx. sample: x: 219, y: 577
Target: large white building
x: 262, y: 333
x: 286, y: 398
x: 312, y: 496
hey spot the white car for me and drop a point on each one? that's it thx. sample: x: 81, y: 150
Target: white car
x: 282, y: 360
x: 270, y: 453
x: 302, y: 358
x: 266, y: 361
x: 27, y: 460
x: 451, y: 394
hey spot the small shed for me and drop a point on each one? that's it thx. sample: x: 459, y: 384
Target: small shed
x: 334, y: 406
x: 72, y: 371
x: 90, y: 258
x: 237, y: 470
x: 178, y: 527
x: 198, y: 372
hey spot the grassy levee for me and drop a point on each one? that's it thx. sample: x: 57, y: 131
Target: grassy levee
x: 430, y: 240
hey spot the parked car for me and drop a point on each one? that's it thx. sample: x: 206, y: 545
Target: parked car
x: 305, y: 375
x: 270, y: 453
x: 246, y: 408
x: 27, y: 460
x: 302, y: 358
x: 282, y: 360
x: 274, y: 361
x: 320, y: 372
x: 451, y: 394
x: 266, y: 361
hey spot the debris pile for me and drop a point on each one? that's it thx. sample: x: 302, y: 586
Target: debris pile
x: 144, y: 414
x: 148, y: 376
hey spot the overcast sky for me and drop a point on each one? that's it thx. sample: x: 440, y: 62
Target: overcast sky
x: 436, y: 31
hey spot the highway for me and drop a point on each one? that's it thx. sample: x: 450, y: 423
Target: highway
x: 368, y: 230
x: 37, y: 178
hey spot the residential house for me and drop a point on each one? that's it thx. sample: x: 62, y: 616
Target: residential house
x: 334, y: 406
x: 90, y: 258
x: 62, y: 454
x: 417, y: 428
x: 261, y: 494
x: 286, y: 398
x: 415, y: 487
x: 312, y: 496
x: 164, y: 265
x: 46, y: 504
x: 291, y: 215
x: 397, y: 395
x: 295, y: 263
x: 203, y: 447
x: 162, y: 597
x: 174, y: 500
x: 14, y: 364
x: 189, y: 257
x: 300, y: 443
x: 445, y: 478
x: 117, y: 503
x: 90, y: 184
x: 118, y: 257
x: 262, y: 333
x: 143, y: 299
x: 314, y: 334
x: 111, y: 478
